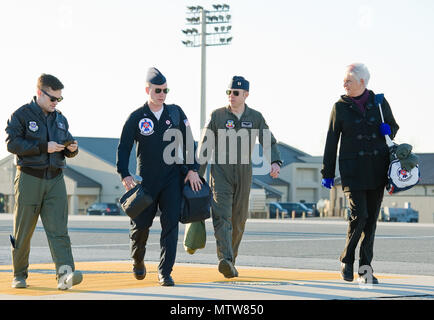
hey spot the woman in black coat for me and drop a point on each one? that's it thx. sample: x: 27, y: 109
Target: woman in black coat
x: 363, y: 162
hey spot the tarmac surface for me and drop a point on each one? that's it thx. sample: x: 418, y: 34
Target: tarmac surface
x: 113, y: 280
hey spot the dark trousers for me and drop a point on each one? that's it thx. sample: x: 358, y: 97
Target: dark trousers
x: 365, y: 206
x: 168, y: 199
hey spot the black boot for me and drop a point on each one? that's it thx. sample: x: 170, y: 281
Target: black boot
x: 347, y: 271
x: 366, y: 275
x: 165, y: 281
x: 139, y: 270
x: 367, y: 279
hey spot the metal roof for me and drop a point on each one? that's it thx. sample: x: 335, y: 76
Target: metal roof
x: 82, y: 180
x: 426, y: 168
x: 106, y: 149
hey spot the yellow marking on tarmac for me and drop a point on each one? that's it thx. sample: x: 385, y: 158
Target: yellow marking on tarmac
x: 106, y: 276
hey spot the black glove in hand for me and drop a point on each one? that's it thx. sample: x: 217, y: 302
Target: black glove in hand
x: 410, y: 162
x: 407, y: 159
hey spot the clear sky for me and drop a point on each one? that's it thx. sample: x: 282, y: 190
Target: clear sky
x: 293, y: 53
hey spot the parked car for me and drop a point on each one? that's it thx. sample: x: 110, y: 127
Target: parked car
x: 394, y: 214
x: 273, y: 206
x: 313, y: 206
x: 399, y: 215
x: 298, y: 207
x: 103, y: 209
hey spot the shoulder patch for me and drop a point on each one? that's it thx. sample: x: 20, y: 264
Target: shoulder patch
x: 33, y: 126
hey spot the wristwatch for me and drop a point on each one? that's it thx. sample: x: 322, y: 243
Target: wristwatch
x: 278, y: 162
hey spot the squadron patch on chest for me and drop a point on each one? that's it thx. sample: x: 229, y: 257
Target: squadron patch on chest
x: 146, y: 126
x: 230, y: 124
x: 33, y: 126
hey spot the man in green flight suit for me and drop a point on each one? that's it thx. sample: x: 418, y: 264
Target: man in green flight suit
x: 38, y: 134
x: 230, y: 137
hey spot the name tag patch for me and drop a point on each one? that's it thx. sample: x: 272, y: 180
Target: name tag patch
x: 246, y: 124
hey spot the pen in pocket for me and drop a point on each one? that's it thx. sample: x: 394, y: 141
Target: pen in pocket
x: 12, y: 239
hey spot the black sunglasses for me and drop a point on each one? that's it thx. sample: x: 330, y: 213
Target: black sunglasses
x: 235, y: 92
x: 158, y: 90
x: 52, y: 98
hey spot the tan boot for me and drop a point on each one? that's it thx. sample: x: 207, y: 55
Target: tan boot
x: 227, y: 269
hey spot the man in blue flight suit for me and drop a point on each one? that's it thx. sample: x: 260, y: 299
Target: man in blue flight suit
x: 146, y: 126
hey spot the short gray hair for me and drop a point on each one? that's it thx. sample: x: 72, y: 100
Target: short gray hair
x: 359, y: 71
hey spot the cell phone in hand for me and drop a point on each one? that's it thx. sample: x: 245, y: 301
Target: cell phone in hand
x: 68, y: 142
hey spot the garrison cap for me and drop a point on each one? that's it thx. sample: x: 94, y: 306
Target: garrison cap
x: 154, y: 76
x: 239, y: 82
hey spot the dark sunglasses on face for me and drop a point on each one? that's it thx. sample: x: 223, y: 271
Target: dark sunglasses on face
x: 52, y: 98
x: 158, y: 90
x: 235, y: 92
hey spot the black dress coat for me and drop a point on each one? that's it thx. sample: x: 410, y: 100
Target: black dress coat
x: 363, y: 152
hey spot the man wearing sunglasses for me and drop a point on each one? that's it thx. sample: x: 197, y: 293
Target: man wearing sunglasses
x: 231, y: 181
x: 38, y: 135
x: 146, y: 127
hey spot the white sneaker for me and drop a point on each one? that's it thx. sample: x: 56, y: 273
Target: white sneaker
x: 19, y: 282
x: 72, y: 279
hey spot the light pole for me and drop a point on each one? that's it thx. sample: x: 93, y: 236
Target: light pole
x: 217, y: 34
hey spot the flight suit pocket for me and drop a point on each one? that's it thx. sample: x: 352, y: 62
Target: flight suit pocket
x: 61, y: 132
x: 25, y: 219
x: 27, y: 189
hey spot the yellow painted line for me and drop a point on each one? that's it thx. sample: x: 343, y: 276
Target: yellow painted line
x: 106, y: 276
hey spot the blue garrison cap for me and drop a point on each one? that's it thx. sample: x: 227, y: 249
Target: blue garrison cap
x: 154, y: 76
x: 239, y: 82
